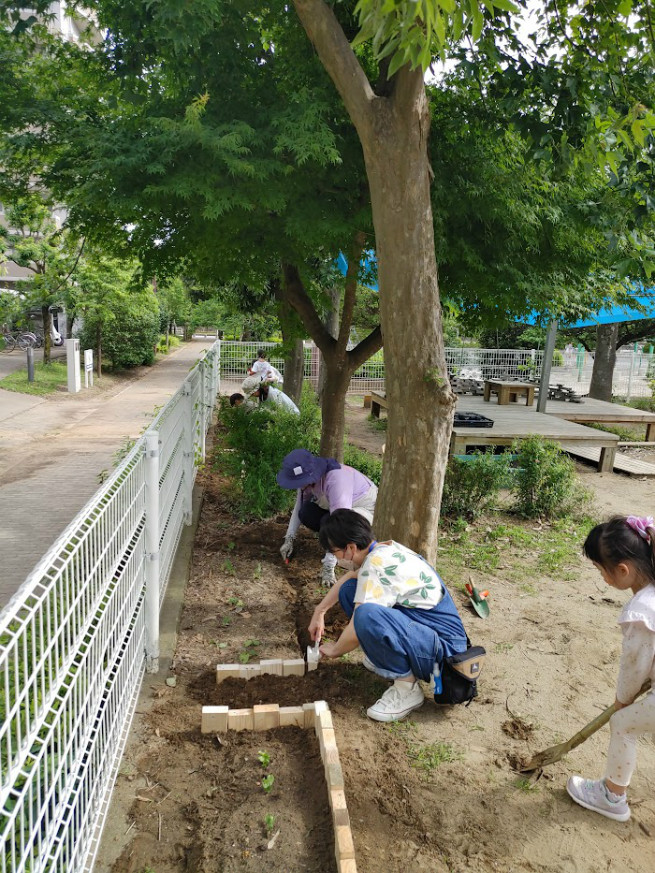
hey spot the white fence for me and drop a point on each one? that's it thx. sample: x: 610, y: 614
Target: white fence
x: 77, y: 636
x: 632, y: 375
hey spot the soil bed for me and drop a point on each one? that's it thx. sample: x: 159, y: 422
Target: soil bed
x: 436, y: 794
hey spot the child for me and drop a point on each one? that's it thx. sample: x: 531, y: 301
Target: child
x: 623, y: 550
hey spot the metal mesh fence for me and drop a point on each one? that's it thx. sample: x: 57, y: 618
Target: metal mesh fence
x: 633, y: 373
x: 72, y: 643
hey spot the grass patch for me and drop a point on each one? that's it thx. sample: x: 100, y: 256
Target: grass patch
x: 514, y: 548
x: 428, y: 758
x: 48, y: 378
x: 625, y: 432
x: 377, y: 423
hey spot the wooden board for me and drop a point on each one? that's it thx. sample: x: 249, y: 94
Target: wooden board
x: 622, y: 463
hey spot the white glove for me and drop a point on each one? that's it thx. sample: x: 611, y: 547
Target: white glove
x: 286, y: 549
x: 327, y: 575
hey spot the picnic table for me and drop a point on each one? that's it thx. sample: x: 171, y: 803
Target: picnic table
x: 509, y: 391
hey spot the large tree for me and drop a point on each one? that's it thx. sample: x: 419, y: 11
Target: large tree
x: 391, y: 116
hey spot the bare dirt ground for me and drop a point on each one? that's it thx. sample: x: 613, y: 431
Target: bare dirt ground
x: 434, y: 794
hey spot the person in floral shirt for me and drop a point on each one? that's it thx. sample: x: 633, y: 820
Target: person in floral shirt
x: 401, y: 613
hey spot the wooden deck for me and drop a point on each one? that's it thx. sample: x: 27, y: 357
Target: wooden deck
x: 622, y: 463
x: 603, y: 413
x: 515, y: 421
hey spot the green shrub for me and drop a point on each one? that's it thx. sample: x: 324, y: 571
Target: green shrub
x: 545, y: 484
x: 254, y: 445
x: 173, y: 342
x: 472, y: 486
x: 368, y: 464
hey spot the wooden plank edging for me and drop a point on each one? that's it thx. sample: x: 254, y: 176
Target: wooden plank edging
x: 316, y: 715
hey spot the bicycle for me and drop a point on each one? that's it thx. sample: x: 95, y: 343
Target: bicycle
x: 9, y: 341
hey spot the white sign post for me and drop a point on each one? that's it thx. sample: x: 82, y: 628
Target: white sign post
x: 88, y: 367
x: 73, y: 365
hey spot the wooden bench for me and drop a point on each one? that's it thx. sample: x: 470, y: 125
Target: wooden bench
x: 378, y: 402
x: 509, y: 391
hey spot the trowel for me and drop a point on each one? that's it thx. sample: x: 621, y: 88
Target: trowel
x: 313, y: 655
x: 478, y: 600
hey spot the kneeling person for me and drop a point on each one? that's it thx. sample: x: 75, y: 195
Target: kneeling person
x: 401, y: 613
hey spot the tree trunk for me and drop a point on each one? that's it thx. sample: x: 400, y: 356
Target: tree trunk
x: 340, y: 363
x: 333, y: 412
x: 393, y: 128
x: 604, y: 361
x: 294, y: 360
x: 47, y: 333
x: 332, y: 327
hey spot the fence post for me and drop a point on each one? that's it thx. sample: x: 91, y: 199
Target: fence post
x: 632, y: 368
x: 203, y: 406
x: 152, y: 550
x: 189, y: 455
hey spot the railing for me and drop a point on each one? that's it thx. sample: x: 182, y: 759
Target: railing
x: 76, y: 637
x: 633, y: 373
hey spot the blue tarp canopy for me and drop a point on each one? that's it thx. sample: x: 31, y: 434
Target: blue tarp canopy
x: 367, y: 263
x: 612, y: 314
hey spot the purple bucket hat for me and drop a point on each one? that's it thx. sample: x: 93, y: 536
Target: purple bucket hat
x: 300, y: 468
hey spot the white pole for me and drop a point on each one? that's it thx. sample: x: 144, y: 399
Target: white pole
x: 189, y: 459
x: 632, y: 367
x: 152, y: 550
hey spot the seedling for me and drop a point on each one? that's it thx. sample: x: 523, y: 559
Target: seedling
x: 264, y: 758
x: 248, y: 651
x: 235, y: 601
x: 258, y: 571
x: 269, y: 824
x: 226, y: 621
x: 231, y: 546
x: 267, y: 783
x: 526, y: 785
x: 228, y: 566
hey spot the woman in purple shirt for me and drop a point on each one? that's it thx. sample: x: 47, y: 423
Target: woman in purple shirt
x: 323, y: 485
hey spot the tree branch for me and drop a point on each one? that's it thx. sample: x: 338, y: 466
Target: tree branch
x: 354, y: 258
x: 365, y: 349
x: 295, y: 293
x: 329, y: 40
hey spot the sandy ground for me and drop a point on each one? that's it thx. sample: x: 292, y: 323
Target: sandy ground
x: 434, y: 794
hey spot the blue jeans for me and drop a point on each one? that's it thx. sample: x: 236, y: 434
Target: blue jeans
x: 399, y: 641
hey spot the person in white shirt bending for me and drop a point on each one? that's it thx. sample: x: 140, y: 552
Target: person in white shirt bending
x: 264, y: 369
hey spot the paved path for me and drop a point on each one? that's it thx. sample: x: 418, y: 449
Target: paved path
x: 52, y: 450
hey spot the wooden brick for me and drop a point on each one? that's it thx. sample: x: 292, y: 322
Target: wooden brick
x: 343, y: 842
x: 310, y: 714
x: 324, y: 720
x: 266, y: 716
x: 272, y: 667
x: 334, y: 776
x: 337, y: 799
x: 340, y: 818
x: 248, y: 671
x: 293, y: 667
x: 214, y: 719
x: 292, y: 715
x: 227, y: 671
x: 240, y: 720
x: 346, y: 865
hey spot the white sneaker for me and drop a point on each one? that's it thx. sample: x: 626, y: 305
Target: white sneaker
x: 592, y: 794
x: 397, y: 701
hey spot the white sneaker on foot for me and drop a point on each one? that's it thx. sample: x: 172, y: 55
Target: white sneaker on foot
x: 397, y: 701
x: 592, y: 794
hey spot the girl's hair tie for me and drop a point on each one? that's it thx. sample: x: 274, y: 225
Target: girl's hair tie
x: 641, y: 526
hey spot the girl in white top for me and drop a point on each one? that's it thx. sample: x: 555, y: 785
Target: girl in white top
x: 623, y: 550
